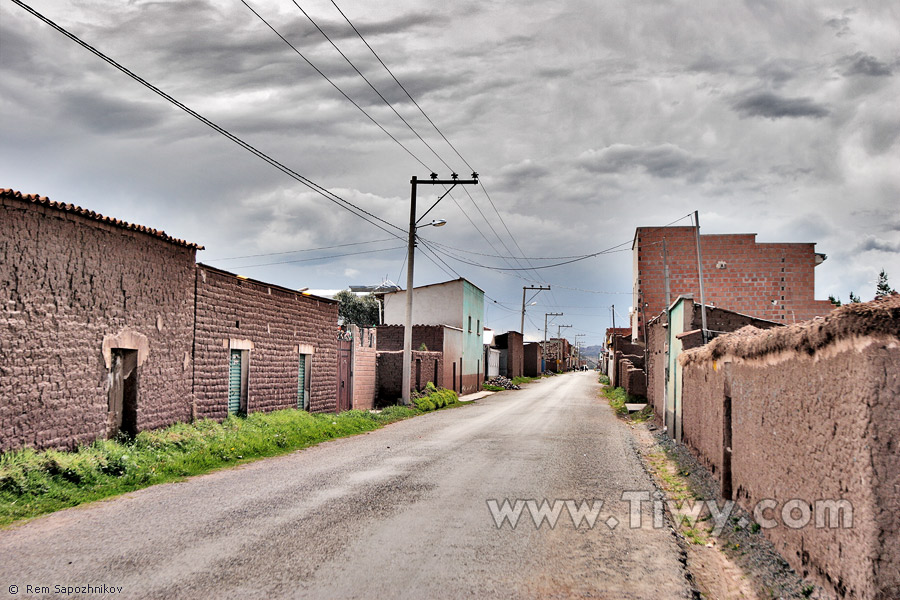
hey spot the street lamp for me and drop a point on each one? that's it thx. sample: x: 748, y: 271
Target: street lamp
x: 410, y: 258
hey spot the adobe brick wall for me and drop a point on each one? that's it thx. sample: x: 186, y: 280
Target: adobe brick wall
x: 657, y: 334
x: 67, y: 281
x: 755, y: 274
x: 363, y: 368
x: 390, y: 337
x: 277, y: 322
x: 532, y: 359
x: 815, y: 416
x: 390, y: 373
x: 512, y: 342
x: 631, y: 378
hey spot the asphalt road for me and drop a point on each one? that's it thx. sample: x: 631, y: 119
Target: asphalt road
x: 402, y: 512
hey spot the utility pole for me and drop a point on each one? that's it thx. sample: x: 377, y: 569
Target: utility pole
x: 530, y: 287
x: 666, y: 273
x: 410, y: 257
x: 577, y: 353
x: 704, y: 334
x: 613, y: 311
x: 544, y: 347
x: 559, y: 342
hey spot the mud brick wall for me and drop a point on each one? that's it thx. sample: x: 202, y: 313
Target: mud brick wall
x: 277, y: 322
x: 390, y: 373
x: 632, y: 379
x: 67, y: 281
x: 512, y: 342
x: 810, y: 423
x: 656, y: 366
x: 390, y: 337
x: 532, y: 360
x: 363, y: 369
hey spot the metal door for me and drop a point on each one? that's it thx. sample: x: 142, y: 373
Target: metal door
x: 344, y: 375
x: 302, y: 388
x: 234, y: 382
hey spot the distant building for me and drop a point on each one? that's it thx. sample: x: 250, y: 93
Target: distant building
x: 533, y: 359
x: 457, y: 303
x: 511, y: 354
x: 558, y: 355
x: 772, y: 281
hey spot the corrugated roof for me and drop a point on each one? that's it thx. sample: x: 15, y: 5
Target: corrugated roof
x: 72, y: 208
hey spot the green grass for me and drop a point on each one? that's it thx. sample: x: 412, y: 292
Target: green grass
x: 35, y: 483
x: 492, y: 388
x: 604, y: 379
x: 521, y: 380
x: 618, y: 398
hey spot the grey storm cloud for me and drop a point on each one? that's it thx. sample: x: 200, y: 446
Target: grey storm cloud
x: 864, y: 64
x: 105, y: 114
x: 873, y: 243
x: 774, y: 106
x: 665, y: 161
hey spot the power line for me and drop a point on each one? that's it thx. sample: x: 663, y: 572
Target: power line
x: 296, y: 251
x: 331, y: 196
x: 532, y: 268
x: 513, y: 257
x: 408, y: 95
x: 299, y: 260
x: 374, y: 89
x: 375, y: 54
x: 344, y: 94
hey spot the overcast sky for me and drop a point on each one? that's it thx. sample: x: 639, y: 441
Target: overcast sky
x: 584, y: 120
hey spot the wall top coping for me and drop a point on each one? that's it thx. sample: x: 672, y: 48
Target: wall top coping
x: 879, y: 319
x: 36, y: 200
x: 298, y: 293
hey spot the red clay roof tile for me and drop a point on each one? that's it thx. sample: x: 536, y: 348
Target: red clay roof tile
x: 71, y: 208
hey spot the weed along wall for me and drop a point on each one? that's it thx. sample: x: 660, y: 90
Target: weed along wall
x: 811, y: 413
x: 261, y: 347
x: 96, y: 325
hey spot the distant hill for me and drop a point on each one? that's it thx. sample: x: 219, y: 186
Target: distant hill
x: 590, y: 351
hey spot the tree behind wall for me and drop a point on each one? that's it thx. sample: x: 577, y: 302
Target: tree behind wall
x: 358, y: 310
x: 883, y: 288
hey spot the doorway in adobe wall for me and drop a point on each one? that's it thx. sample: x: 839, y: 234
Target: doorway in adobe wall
x: 345, y: 392
x: 123, y: 393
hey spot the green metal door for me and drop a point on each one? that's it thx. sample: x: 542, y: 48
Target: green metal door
x: 234, y: 383
x: 301, y: 384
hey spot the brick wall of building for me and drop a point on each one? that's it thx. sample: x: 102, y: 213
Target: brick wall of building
x: 511, y: 341
x: 428, y: 365
x: 656, y: 366
x: 632, y: 378
x: 770, y: 281
x: 558, y: 350
x: 532, y: 360
x: 363, y: 370
x: 70, y: 279
x: 390, y: 337
x: 279, y: 323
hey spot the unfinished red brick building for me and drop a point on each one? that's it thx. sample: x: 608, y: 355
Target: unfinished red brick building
x: 773, y: 281
x: 96, y: 325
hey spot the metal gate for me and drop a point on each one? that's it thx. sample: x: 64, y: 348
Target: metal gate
x: 344, y: 375
x: 234, y: 382
x: 302, y: 388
